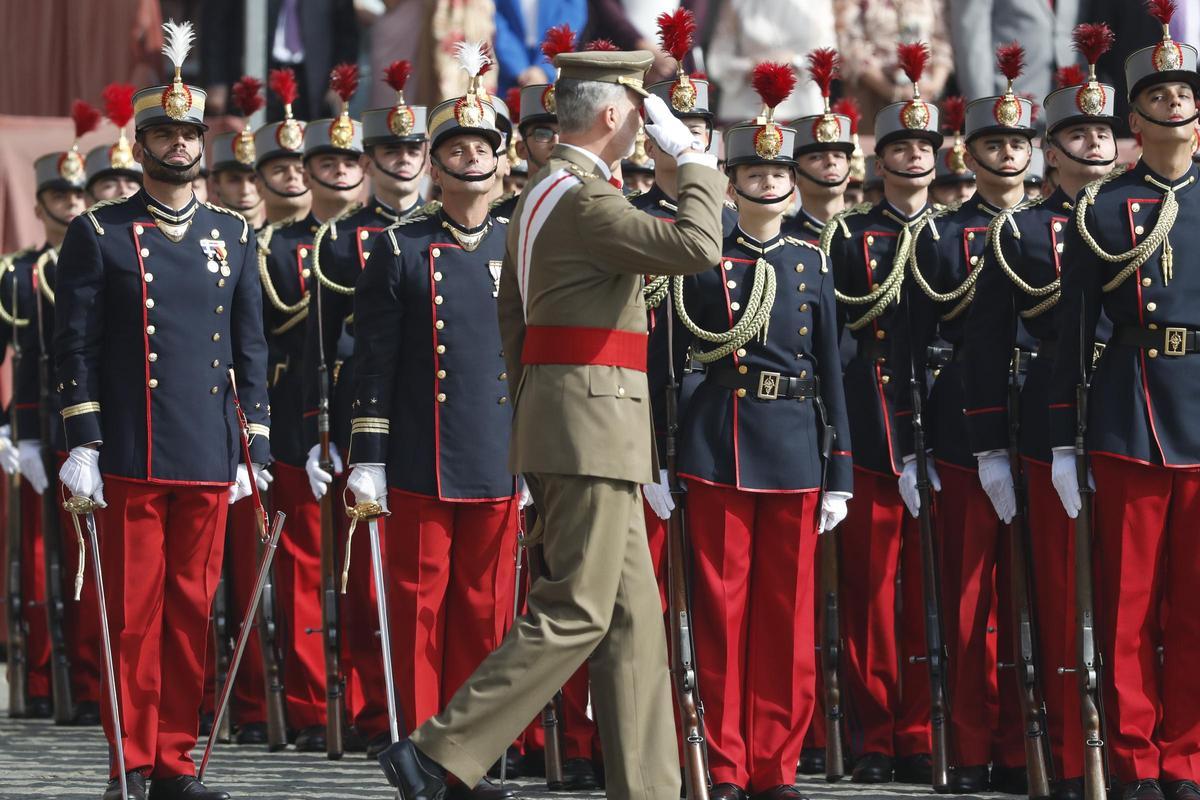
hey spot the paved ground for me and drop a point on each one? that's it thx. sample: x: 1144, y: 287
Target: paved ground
x: 41, y: 760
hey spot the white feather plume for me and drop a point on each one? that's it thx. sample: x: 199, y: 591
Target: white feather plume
x: 472, y: 56
x: 178, y: 41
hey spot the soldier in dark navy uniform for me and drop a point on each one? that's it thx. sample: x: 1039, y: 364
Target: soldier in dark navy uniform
x: 1020, y: 281
x: 432, y: 418
x: 232, y: 155
x: 1131, y: 243
x: 868, y: 247
x: 333, y: 173
x: 764, y: 320
x: 157, y: 298
x: 973, y: 542
x: 111, y: 170
x: 954, y: 182
x: 279, y: 147
x: 395, y: 157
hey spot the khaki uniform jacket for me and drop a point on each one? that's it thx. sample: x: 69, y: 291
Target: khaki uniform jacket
x: 587, y: 269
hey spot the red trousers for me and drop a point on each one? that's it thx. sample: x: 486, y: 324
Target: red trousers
x: 656, y: 537
x: 33, y: 592
x: 298, y: 586
x: 248, y: 702
x: 1147, y: 558
x: 161, y: 549
x: 814, y: 737
x: 449, y: 599
x: 975, y: 557
x: 82, y: 618
x: 752, y: 597
x: 1053, y: 557
x: 886, y: 695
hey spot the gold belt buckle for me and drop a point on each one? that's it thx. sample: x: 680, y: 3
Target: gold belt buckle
x: 768, y: 385
x: 1175, y: 342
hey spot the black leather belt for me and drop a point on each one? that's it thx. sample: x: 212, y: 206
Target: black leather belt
x: 762, y: 384
x: 1168, y: 341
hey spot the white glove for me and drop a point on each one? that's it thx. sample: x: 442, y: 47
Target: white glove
x: 995, y: 474
x: 908, y: 484
x: 833, y: 510
x: 10, y: 461
x: 263, y: 478
x: 668, y: 130
x: 81, y: 474
x: 318, y: 479
x: 368, y: 482
x: 1065, y: 477
x: 29, y: 455
x: 658, y: 495
x: 241, y: 485
x: 524, y: 496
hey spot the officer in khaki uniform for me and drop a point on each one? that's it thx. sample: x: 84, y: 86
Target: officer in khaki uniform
x: 574, y: 329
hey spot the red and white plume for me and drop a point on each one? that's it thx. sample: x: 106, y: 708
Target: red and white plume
x: 774, y: 82
x: 283, y: 84
x: 396, y: 76
x: 675, y: 31
x: 247, y: 95
x: 954, y: 113
x: 913, y: 58
x: 1070, y: 75
x: 848, y: 107
x: 1010, y: 59
x: 559, y: 39
x: 1092, y: 40
x: 824, y: 65
x: 118, y: 103
x: 86, y: 118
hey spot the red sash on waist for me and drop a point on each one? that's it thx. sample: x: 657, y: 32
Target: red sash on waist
x: 565, y: 344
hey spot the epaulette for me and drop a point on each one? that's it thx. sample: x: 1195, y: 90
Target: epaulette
x: 332, y: 223
x: 390, y: 230
x: 90, y: 213
x: 838, y: 222
x: 236, y: 215
x: 579, y: 172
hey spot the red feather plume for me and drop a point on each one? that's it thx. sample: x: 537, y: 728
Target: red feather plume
x: 512, y: 99
x: 1010, y: 58
x: 848, y: 107
x: 247, y: 95
x: 1070, y: 75
x: 118, y: 103
x: 489, y: 59
x: 675, y: 31
x: 913, y: 58
x: 823, y: 66
x: 283, y: 84
x: 1161, y: 10
x: 344, y: 80
x: 559, y: 39
x: 86, y: 117
x: 1092, y: 40
x: 773, y: 82
x: 954, y: 113
x: 396, y: 74
x: 601, y: 44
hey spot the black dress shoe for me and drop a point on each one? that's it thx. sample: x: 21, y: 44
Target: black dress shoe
x: 1067, y: 789
x: 311, y: 739
x: 812, y: 761
x: 416, y: 775
x: 969, y: 780
x: 914, y: 769
x: 134, y: 781
x: 184, y: 787
x: 872, y: 768
x: 727, y: 791
x: 1142, y: 789
x: 533, y: 764
x: 1182, y: 790
x: 39, y: 708
x: 784, y: 791
x: 252, y: 733
x: 1010, y: 780
x: 484, y: 790
x: 512, y: 768
x: 579, y: 775
x: 87, y: 714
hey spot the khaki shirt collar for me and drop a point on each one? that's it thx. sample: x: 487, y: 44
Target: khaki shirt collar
x: 584, y: 159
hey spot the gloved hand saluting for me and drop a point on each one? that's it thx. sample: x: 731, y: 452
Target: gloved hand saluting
x: 667, y: 130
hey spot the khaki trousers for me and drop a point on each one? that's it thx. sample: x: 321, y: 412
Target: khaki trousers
x: 598, y: 600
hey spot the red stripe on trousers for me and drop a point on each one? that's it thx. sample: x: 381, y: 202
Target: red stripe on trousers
x: 1147, y: 559
x: 753, y: 560
x: 161, y: 551
x: 879, y: 539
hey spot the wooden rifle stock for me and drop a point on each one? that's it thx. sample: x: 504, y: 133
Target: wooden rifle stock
x: 17, y: 662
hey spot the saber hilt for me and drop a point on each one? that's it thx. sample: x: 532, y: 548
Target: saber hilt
x: 368, y: 510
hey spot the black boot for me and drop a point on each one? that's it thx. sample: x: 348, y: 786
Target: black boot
x: 1067, y: 789
x: 184, y: 787
x: 377, y: 744
x: 417, y: 776
x: 39, y: 708
x: 812, y: 762
x: 484, y: 790
x: 311, y: 739
x: 782, y: 792
x: 1142, y: 789
x: 134, y: 781
x: 1010, y: 780
x: 87, y: 714
x: 579, y: 775
x: 252, y: 733
x: 916, y: 769
x: 969, y: 780
x: 872, y: 768
x: 727, y: 791
x: 1182, y: 790
x: 512, y: 768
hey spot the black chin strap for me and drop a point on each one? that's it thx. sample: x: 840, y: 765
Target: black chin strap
x: 458, y: 175
x: 762, y: 201
x: 1087, y: 162
x: 1001, y: 173
x: 1166, y: 123
x: 287, y: 195
x: 395, y: 175
x: 333, y: 187
x: 177, y: 168
x: 52, y: 215
x: 912, y: 175
x: 823, y: 182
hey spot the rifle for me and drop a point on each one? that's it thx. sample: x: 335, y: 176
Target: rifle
x: 1090, y: 663
x: 335, y: 687
x: 683, y: 666
x: 52, y: 539
x: 18, y: 660
x: 222, y: 644
x: 272, y: 668
x: 831, y: 634
x: 552, y: 711
x: 1038, y: 761
x: 935, y: 645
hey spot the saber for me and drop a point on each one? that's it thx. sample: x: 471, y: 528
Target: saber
x: 86, y: 507
x: 247, y: 625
